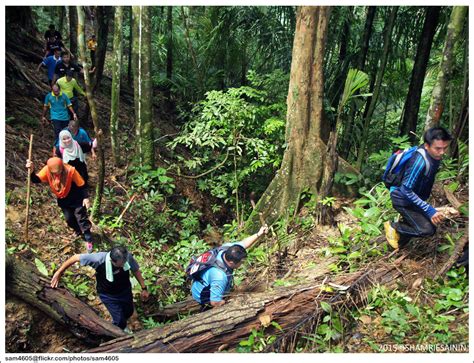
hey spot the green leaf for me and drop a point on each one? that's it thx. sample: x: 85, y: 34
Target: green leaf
x: 326, y: 307
x: 41, y: 267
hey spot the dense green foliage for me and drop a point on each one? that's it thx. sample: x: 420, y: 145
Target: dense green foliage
x: 223, y: 91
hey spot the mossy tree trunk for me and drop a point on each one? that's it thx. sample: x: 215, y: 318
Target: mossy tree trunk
x: 455, y: 26
x: 303, y: 162
x: 116, y: 78
x: 412, y: 103
x: 378, y: 86
x: 91, y: 102
x: 143, y: 95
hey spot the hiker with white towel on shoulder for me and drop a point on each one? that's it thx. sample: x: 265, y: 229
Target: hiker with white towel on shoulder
x: 113, y: 280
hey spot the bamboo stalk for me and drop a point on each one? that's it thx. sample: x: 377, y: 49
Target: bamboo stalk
x: 28, y: 186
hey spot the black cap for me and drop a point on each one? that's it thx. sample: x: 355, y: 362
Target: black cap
x: 69, y: 73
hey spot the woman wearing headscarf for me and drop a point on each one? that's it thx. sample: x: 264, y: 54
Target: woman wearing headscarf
x: 71, y: 192
x: 73, y: 153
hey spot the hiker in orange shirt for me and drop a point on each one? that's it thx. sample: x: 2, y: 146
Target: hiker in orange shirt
x: 70, y: 189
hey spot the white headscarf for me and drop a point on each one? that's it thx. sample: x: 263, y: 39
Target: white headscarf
x: 73, y: 151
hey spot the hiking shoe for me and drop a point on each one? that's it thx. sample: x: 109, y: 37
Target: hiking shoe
x: 128, y: 331
x: 391, y: 235
x: 89, y: 247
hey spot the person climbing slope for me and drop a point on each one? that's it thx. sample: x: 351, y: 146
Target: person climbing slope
x: 50, y: 63
x: 409, y: 196
x: 214, y: 278
x: 73, y: 153
x: 58, y: 104
x: 113, y: 280
x: 69, y: 86
x: 82, y: 137
x: 71, y: 192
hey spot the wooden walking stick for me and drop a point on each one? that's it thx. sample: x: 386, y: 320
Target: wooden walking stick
x: 126, y: 207
x: 28, y: 185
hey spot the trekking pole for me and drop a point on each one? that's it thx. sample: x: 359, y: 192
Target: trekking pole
x: 28, y: 185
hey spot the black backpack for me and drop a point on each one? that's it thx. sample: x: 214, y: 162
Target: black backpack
x: 198, y: 265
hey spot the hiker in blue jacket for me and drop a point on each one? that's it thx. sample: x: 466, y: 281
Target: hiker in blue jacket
x: 216, y: 281
x: 409, y: 199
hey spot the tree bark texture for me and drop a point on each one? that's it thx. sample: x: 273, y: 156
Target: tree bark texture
x: 378, y: 86
x: 91, y: 102
x: 303, y: 161
x: 295, y: 309
x: 23, y: 281
x: 116, y: 79
x: 143, y: 93
x: 412, y: 103
x: 102, y: 17
x: 455, y: 26
x: 73, y: 30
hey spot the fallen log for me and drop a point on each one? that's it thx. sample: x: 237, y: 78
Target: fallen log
x: 172, y: 311
x: 23, y: 281
x: 458, y: 249
x: 224, y: 327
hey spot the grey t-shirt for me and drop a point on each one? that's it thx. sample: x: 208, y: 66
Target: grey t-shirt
x: 94, y: 260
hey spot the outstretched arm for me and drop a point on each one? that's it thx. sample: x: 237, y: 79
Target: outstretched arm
x: 249, y: 241
x: 57, y: 276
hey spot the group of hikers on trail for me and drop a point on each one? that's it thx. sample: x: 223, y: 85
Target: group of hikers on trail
x: 409, y: 175
x: 66, y: 172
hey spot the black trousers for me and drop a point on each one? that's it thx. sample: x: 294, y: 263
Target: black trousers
x: 413, y: 224
x: 77, y: 219
x: 119, y: 306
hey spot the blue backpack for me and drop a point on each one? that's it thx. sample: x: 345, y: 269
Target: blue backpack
x: 393, y: 175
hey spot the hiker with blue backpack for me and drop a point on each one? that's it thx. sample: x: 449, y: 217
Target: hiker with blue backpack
x: 212, y: 272
x: 410, y: 176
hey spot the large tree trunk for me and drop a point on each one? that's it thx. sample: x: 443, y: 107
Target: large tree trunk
x: 130, y: 46
x: 73, y: 30
x: 412, y: 102
x: 102, y: 17
x: 361, y: 155
x: 455, y: 26
x: 23, y: 281
x: 116, y: 78
x: 142, y: 84
x: 295, y: 309
x: 91, y: 102
x: 303, y: 162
